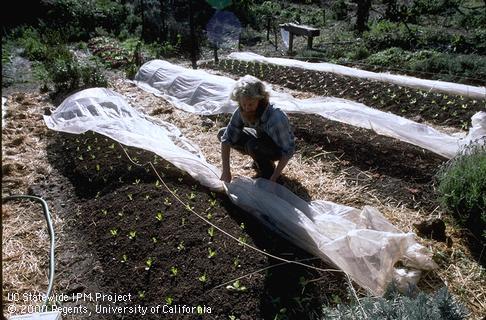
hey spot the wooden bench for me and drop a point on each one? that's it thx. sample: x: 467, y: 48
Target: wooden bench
x: 300, y: 30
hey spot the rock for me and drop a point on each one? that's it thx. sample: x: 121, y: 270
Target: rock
x: 431, y: 229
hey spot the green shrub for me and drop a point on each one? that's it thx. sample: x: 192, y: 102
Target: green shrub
x: 462, y: 189
x: 389, y: 57
x: 395, y: 306
x: 92, y: 76
x: 65, y: 73
x: 80, y: 19
x: 340, y: 9
x: 35, y: 48
x: 385, y: 34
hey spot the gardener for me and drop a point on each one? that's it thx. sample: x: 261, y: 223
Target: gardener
x: 257, y: 129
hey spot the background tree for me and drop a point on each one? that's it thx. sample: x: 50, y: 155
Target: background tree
x: 362, y: 15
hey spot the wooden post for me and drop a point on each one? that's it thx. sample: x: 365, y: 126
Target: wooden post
x: 291, y: 40
x: 215, y: 53
x: 275, y: 32
x: 309, y: 42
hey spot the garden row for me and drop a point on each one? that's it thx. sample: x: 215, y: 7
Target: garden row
x: 416, y: 104
x: 152, y: 246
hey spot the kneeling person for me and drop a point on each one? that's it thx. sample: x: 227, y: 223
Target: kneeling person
x: 257, y: 129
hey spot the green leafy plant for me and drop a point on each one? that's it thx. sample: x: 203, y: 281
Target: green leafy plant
x: 211, y: 231
x: 148, y: 263
x: 461, y: 188
x: 114, y: 232
x: 212, y: 202
x: 167, y: 201
x: 203, y: 278
x: 236, y: 286
x: 159, y: 216
x: 211, y: 253
x: 132, y: 234
x: 174, y: 271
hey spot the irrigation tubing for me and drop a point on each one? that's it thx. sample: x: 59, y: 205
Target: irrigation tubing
x: 47, y: 215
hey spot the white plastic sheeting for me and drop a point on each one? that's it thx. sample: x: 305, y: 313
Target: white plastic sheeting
x: 108, y: 113
x: 200, y: 92
x: 408, y: 81
x: 360, y: 242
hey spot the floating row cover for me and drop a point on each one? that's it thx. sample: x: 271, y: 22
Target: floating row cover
x: 361, y: 242
x: 200, y: 92
x: 406, y: 81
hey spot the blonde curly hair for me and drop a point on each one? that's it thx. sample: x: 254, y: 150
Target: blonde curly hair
x: 249, y: 86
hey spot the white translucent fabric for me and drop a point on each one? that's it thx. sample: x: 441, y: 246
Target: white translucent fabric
x: 407, y: 81
x: 108, y: 113
x: 360, y: 242
x: 200, y: 92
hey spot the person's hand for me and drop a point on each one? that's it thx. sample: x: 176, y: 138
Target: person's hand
x: 226, y: 176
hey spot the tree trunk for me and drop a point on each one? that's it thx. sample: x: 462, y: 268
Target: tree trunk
x: 362, y: 15
x: 192, y: 28
x: 142, y: 14
x: 215, y: 54
x: 163, y: 23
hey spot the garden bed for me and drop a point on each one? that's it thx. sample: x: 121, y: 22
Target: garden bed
x: 415, y: 104
x: 114, y: 239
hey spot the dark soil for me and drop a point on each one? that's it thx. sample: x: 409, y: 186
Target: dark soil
x: 415, y: 104
x: 401, y: 172
x: 119, y: 202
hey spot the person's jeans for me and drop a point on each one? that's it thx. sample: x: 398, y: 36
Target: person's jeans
x: 260, y: 147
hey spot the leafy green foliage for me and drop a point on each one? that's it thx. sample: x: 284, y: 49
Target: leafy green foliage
x: 462, y: 189
x: 79, y: 19
x: 450, y: 66
x: 340, y: 9
x: 395, y: 306
x: 34, y: 46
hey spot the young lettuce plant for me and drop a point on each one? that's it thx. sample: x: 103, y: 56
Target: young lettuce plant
x: 203, y: 278
x: 211, y: 253
x: 132, y: 234
x: 167, y: 202
x: 148, y: 263
x: 159, y: 216
x: 211, y: 231
x: 174, y: 271
x: 236, y: 286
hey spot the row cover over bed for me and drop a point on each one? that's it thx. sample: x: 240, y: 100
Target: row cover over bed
x: 199, y: 92
x: 407, y: 81
x: 361, y: 242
